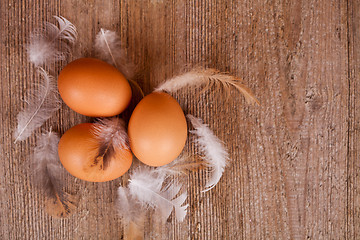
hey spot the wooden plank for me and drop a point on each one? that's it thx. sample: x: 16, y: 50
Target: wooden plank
x: 303, y: 134
x: 353, y: 168
x: 294, y: 172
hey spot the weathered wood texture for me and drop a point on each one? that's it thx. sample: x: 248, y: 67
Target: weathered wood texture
x: 295, y: 169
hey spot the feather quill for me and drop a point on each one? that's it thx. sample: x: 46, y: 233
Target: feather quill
x: 112, y: 136
x: 132, y: 214
x: 208, y: 77
x: 109, y: 48
x: 215, y: 154
x: 40, y: 107
x: 44, y: 49
x: 150, y: 189
x: 46, y: 171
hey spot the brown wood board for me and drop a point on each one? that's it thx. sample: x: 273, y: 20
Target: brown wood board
x: 295, y: 168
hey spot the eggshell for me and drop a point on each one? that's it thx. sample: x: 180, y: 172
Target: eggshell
x: 78, y: 149
x: 157, y: 129
x: 94, y: 88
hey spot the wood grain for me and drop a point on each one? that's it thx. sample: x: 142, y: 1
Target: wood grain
x: 353, y: 167
x: 295, y: 170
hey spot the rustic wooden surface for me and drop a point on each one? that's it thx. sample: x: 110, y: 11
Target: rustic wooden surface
x: 295, y: 169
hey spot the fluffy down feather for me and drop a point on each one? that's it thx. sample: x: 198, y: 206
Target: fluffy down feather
x: 112, y: 135
x: 46, y: 171
x: 44, y: 47
x: 109, y: 48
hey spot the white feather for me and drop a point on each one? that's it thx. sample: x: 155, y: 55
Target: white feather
x: 47, y: 171
x: 109, y: 48
x: 150, y: 190
x: 40, y: 107
x: 215, y: 154
x: 44, y: 47
x: 209, y: 77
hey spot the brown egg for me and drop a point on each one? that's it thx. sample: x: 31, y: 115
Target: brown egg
x: 94, y: 88
x: 157, y: 129
x: 78, y: 151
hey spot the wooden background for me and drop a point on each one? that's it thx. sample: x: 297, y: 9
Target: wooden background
x: 295, y: 169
